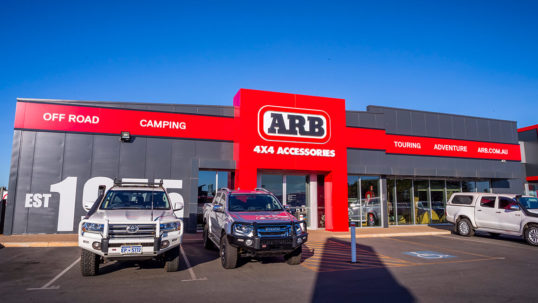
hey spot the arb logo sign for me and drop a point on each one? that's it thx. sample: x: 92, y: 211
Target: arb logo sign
x: 289, y: 124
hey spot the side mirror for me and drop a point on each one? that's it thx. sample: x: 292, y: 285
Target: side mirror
x: 514, y: 207
x: 287, y: 208
x: 178, y: 206
x: 218, y: 208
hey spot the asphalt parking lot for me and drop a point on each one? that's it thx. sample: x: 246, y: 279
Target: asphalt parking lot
x: 406, y: 269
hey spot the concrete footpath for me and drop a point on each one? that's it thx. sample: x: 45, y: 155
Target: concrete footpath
x: 70, y: 240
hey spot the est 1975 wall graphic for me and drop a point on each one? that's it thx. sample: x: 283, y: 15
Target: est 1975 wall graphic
x: 66, y: 191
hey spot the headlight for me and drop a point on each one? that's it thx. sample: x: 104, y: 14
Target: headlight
x: 92, y: 227
x: 299, y: 228
x: 244, y: 230
x: 172, y: 226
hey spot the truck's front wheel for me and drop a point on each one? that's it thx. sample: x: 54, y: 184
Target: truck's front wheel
x: 171, y: 257
x: 228, y: 253
x: 89, y: 263
x: 294, y: 258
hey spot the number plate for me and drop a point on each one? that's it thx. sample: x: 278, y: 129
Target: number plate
x: 131, y: 249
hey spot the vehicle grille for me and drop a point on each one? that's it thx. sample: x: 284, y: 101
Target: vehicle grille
x: 276, y: 231
x: 120, y: 230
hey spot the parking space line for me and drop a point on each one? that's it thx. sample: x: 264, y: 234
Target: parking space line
x: 48, y: 286
x: 442, y: 248
x: 189, y: 267
x: 493, y: 241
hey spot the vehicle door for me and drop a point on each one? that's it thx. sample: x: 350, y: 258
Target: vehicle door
x: 214, y: 215
x: 508, y: 219
x: 485, y: 212
x: 221, y: 216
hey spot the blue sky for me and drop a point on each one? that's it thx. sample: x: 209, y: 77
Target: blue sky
x: 476, y: 58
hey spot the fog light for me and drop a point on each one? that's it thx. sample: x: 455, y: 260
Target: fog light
x: 165, y: 244
x: 299, y: 240
x: 96, y: 245
x: 248, y: 242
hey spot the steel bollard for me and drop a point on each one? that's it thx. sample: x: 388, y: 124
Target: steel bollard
x: 353, y: 244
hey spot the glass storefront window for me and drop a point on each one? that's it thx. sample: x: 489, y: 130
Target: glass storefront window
x: 273, y: 183
x: 483, y: 186
x: 452, y: 187
x: 533, y: 189
x: 370, y: 201
x: 422, y: 202
x: 404, y: 205
x: 468, y: 186
x: 438, y: 201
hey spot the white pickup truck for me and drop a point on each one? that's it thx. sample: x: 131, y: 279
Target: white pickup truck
x: 494, y: 213
x: 132, y: 221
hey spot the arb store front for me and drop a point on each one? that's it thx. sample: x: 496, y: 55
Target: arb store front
x: 377, y: 168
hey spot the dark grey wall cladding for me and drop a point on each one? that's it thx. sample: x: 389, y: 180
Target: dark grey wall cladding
x: 364, y: 119
x: 377, y: 162
x: 429, y: 124
x: 528, y: 136
x: 214, y: 110
x: 60, y: 165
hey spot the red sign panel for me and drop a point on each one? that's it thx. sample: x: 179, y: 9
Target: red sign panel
x: 410, y: 145
x: 57, y: 117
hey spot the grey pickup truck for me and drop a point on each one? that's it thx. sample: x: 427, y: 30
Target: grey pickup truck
x: 252, y: 223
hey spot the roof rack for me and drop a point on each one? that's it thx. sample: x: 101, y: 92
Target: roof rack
x: 119, y: 182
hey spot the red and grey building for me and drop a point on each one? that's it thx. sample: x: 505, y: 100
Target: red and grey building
x: 379, y: 167
x: 528, y: 139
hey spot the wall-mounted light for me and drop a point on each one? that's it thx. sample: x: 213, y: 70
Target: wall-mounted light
x: 125, y: 136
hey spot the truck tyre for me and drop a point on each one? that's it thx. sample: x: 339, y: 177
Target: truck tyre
x: 465, y: 228
x: 294, y: 258
x: 89, y: 263
x: 531, y: 235
x: 371, y: 220
x: 228, y: 253
x: 171, y: 258
x: 208, y: 244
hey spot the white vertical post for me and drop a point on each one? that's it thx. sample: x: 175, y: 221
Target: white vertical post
x: 353, y: 244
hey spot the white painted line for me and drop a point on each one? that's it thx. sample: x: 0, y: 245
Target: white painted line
x: 48, y: 286
x: 496, y: 242
x: 189, y: 268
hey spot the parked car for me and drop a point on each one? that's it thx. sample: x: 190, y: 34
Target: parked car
x: 132, y: 221
x: 369, y: 209
x: 494, y: 213
x: 252, y: 223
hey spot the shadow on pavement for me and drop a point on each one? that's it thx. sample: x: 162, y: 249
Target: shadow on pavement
x: 338, y: 280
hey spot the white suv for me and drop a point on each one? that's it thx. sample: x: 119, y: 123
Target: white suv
x: 132, y: 221
x: 494, y: 213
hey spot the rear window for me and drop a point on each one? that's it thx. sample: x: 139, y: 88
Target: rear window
x: 462, y: 200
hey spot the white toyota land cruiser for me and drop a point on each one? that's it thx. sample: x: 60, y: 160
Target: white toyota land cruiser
x: 494, y: 213
x: 132, y: 221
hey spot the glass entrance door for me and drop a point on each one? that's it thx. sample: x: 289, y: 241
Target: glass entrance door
x: 298, y: 192
x: 296, y: 196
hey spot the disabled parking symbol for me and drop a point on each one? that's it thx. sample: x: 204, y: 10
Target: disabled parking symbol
x: 430, y: 255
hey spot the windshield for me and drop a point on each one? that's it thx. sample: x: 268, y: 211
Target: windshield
x: 135, y: 199
x: 253, y: 202
x: 529, y: 202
